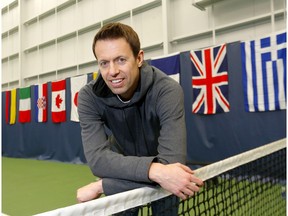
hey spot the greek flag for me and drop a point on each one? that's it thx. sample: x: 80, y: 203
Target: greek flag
x: 264, y: 73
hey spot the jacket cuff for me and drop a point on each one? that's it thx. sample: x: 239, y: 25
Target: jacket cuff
x: 142, y: 170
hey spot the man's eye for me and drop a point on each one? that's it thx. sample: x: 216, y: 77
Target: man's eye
x: 121, y: 60
x: 103, y: 64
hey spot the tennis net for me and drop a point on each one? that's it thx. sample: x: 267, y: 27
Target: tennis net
x: 251, y: 183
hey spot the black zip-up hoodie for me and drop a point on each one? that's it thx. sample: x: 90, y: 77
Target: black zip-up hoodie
x: 151, y: 127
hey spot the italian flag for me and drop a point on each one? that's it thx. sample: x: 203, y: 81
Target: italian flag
x: 24, y: 105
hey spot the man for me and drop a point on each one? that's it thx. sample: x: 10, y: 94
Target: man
x: 132, y: 120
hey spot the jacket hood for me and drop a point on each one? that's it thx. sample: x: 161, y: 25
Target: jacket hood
x: 102, y: 91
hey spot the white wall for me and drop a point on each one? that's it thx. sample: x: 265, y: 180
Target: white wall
x: 48, y: 40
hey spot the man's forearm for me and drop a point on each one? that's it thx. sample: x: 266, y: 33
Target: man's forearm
x: 113, y: 186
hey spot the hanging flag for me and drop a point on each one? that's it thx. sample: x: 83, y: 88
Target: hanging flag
x: 95, y: 75
x: 24, y: 104
x: 40, y: 102
x: 169, y: 64
x: 264, y: 73
x: 7, y: 106
x: 58, y: 106
x: 210, y: 80
x: 76, y: 84
x: 10, y: 106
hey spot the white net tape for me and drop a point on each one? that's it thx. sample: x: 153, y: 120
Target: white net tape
x: 126, y: 200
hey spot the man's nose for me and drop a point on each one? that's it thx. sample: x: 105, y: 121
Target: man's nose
x: 113, y: 69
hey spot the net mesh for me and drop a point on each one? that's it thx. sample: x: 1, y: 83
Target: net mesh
x: 252, y: 183
x: 255, y: 188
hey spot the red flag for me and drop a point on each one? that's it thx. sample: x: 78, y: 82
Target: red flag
x: 58, y: 101
x: 7, y: 105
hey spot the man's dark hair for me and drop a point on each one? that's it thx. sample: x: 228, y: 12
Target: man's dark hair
x: 116, y: 31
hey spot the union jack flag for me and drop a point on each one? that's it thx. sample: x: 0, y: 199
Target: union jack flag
x: 210, y: 80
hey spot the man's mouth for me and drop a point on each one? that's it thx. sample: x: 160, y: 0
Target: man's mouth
x: 116, y: 81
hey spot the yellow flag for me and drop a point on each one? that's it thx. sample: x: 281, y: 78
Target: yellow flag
x: 13, y: 107
x: 95, y: 74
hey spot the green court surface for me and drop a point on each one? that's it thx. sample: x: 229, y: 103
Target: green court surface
x: 35, y: 186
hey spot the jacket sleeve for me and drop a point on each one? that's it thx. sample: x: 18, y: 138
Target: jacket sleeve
x: 113, y: 186
x: 172, y: 139
x: 102, y: 161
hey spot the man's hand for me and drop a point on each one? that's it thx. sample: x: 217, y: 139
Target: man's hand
x: 175, y: 178
x: 89, y: 192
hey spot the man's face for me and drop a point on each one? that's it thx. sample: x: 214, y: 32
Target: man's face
x: 118, y: 66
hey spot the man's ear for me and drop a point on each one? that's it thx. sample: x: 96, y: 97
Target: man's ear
x: 140, y: 58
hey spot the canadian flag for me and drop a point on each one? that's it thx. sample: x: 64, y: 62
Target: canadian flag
x: 76, y: 84
x: 58, y: 107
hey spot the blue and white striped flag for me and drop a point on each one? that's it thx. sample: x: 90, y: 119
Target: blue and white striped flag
x: 264, y: 73
x: 169, y: 64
